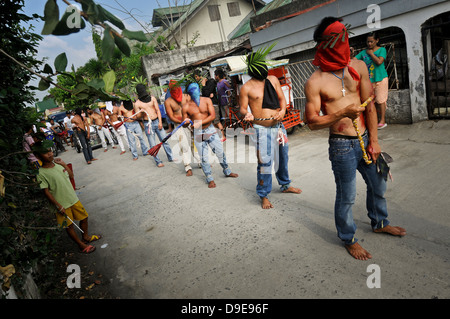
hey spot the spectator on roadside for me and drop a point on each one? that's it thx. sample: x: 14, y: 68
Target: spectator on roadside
x: 28, y: 142
x: 374, y: 57
x: 68, y: 125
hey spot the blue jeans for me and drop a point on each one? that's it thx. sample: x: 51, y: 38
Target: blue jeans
x: 203, y: 138
x: 346, y: 157
x: 270, y: 153
x: 87, y: 150
x: 134, y: 127
x: 161, y: 135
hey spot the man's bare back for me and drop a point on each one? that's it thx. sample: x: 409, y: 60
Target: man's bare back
x: 127, y: 114
x: 78, y: 121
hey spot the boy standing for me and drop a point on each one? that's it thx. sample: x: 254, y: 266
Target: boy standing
x: 54, y: 178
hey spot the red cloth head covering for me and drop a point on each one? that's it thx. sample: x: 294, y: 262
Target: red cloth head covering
x: 333, y: 53
x: 175, y: 91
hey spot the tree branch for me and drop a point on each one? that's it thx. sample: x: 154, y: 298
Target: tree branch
x: 30, y: 70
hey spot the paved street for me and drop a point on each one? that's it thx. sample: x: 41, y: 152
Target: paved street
x: 169, y: 236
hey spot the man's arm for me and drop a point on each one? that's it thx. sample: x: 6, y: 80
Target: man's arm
x: 281, y: 98
x: 52, y: 200
x: 243, y: 104
x: 371, y: 118
x: 158, y: 112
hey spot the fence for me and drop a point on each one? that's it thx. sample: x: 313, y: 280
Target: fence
x: 301, y: 71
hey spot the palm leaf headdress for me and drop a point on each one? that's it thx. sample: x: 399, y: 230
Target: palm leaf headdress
x: 257, y: 60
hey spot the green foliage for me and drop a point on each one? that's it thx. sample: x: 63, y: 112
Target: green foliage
x: 25, y: 239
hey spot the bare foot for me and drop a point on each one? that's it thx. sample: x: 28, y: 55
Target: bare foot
x: 211, y: 184
x: 123, y: 152
x: 135, y: 158
x: 358, y: 252
x: 89, y: 162
x: 160, y: 165
x: 232, y: 175
x: 292, y: 190
x: 265, y: 204
x: 392, y: 230
x: 189, y: 173
x: 94, y: 159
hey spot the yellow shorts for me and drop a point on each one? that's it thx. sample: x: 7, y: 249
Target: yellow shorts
x: 381, y: 90
x: 75, y: 212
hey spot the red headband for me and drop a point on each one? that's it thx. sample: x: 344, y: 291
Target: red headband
x: 334, y: 54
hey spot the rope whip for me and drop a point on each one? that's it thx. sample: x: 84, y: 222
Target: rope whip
x: 361, y: 141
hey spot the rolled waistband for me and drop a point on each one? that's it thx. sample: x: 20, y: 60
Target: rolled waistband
x: 346, y: 137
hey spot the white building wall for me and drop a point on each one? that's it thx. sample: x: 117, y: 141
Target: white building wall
x: 212, y: 31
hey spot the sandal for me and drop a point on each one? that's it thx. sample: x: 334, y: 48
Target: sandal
x: 93, y: 238
x: 89, y: 249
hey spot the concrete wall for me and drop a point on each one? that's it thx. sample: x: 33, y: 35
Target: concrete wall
x: 295, y: 35
x: 166, y: 62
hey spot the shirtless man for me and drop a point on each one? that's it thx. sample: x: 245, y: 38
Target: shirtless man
x: 338, y: 88
x: 112, y: 112
x: 131, y: 124
x: 265, y: 97
x: 200, y: 111
x: 152, y: 125
x: 81, y: 129
x: 182, y: 135
x: 99, y: 120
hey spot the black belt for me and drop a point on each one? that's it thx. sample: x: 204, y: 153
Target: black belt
x: 346, y: 137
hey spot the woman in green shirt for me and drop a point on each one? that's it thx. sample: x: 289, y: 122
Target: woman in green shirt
x: 374, y: 57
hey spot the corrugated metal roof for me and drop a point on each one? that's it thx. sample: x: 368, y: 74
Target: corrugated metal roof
x: 245, y: 28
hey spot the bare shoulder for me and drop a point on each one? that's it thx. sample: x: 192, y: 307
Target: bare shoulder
x: 314, y: 81
x: 359, y: 65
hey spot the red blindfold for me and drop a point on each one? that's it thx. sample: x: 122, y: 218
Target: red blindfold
x: 175, y: 91
x: 333, y: 53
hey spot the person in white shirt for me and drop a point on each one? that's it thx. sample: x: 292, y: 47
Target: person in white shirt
x: 68, y: 125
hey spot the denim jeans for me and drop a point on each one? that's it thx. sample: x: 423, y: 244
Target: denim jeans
x: 134, y: 127
x: 161, y: 133
x: 346, y: 157
x: 203, y: 138
x: 87, y: 150
x: 271, y: 153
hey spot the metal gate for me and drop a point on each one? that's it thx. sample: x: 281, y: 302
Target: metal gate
x: 300, y: 73
x: 436, y: 50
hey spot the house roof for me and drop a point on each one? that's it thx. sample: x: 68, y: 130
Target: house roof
x: 161, y: 14
x: 196, y: 4
x: 245, y: 27
x: 46, y: 104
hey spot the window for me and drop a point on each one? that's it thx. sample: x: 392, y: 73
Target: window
x: 233, y: 9
x: 214, y: 13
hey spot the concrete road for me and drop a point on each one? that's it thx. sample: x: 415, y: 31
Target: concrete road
x: 169, y: 236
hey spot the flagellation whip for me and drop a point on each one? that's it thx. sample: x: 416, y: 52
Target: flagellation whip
x: 155, y: 149
x: 361, y: 141
x: 117, y: 125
